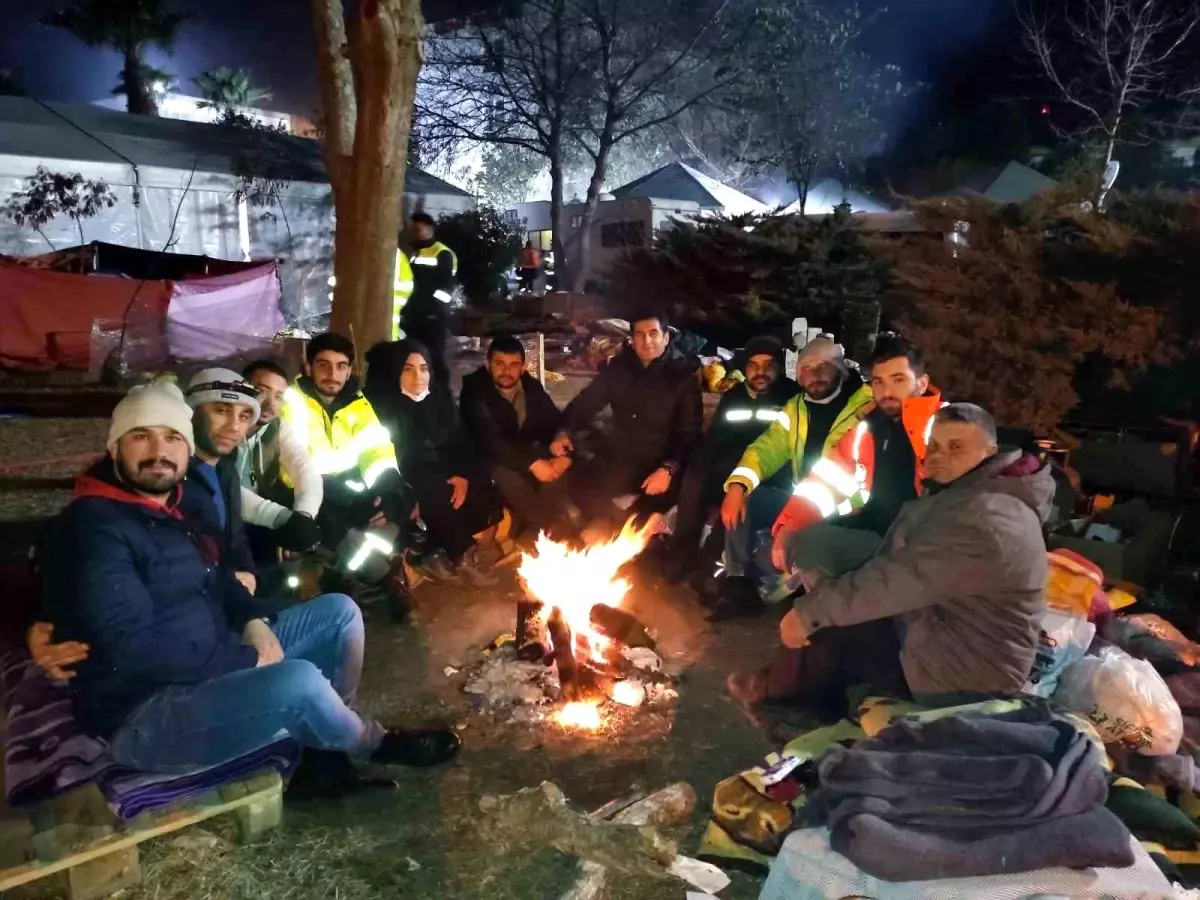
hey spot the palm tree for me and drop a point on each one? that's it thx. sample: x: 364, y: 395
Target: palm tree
x: 224, y: 89
x: 131, y: 27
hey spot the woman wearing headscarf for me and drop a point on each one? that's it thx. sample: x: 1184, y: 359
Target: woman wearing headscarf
x: 453, y: 500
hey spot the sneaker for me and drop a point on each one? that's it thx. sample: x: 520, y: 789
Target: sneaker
x: 417, y: 747
x: 471, y: 570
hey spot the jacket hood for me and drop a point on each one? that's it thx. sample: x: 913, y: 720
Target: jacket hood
x: 348, y: 394
x: 100, y: 480
x: 1013, y: 472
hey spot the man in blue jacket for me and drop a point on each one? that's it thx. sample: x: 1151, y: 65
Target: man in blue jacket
x: 185, y: 669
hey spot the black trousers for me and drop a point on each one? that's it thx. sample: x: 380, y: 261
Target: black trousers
x: 450, y: 529
x: 816, y: 677
x: 538, y: 506
x: 598, y: 481
x: 700, y: 493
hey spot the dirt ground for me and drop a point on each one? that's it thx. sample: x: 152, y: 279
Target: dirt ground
x: 422, y: 841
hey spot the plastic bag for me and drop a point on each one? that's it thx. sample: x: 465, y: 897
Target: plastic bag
x: 1125, y: 699
x: 1072, y: 583
x: 1154, y: 639
x: 1062, y: 640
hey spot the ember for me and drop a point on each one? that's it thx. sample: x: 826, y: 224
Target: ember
x: 582, y: 714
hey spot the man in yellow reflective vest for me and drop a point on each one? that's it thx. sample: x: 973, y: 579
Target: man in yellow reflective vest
x: 363, y: 503
x: 425, y: 315
x: 832, y: 401
x: 402, y: 288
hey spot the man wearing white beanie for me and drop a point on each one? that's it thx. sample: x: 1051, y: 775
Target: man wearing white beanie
x: 184, y: 668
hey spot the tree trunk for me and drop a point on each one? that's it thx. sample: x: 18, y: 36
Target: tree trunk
x: 583, y: 258
x: 367, y: 86
x: 139, y: 96
x: 1110, y: 147
x: 558, y: 224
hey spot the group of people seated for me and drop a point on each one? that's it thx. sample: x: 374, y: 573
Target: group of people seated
x: 908, y: 543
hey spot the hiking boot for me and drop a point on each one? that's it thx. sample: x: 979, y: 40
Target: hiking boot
x: 471, y: 570
x: 417, y: 747
x: 329, y: 775
x: 737, y: 597
x: 436, y: 567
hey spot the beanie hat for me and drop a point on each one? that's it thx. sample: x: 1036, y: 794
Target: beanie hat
x: 222, y: 386
x: 158, y: 404
x: 763, y: 345
x: 822, y: 349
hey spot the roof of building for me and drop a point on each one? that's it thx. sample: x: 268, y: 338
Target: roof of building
x: 38, y: 130
x: 677, y: 181
x: 1009, y: 183
x: 829, y: 192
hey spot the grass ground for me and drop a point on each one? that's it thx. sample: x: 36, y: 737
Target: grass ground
x: 422, y: 841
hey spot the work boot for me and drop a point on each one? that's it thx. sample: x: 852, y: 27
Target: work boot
x: 737, y: 597
x: 398, y: 594
x: 328, y: 775
x: 417, y: 747
x: 470, y: 570
x: 436, y: 567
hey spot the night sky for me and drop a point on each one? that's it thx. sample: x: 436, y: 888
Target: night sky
x: 937, y: 41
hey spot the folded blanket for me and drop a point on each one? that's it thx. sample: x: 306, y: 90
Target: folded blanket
x: 933, y: 799
x: 808, y: 868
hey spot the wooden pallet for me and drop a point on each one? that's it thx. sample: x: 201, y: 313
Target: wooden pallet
x: 78, y: 839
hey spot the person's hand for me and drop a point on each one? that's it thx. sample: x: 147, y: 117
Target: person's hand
x: 792, y: 631
x: 258, y: 634
x: 416, y: 512
x: 561, y: 445
x: 560, y: 464
x: 733, y: 507
x: 657, y: 482
x: 53, y: 658
x: 544, y: 470
x: 779, y: 549
x: 458, y: 490
x: 810, y: 578
x: 379, y: 518
x: 249, y: 582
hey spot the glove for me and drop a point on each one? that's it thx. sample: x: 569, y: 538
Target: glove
x: 298, y: 533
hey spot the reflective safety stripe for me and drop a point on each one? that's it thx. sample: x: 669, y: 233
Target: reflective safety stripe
x: 859, y: 433
x: 402, y: 286
x: 834, y: 476
x: 443, y: 296
x: 782, y: 419
x: 773, y: 415
x: 845, y: 508
x: 739, y: 415
x: 396, y: 319
x: 424, y: 260
x: 376, y: 469
x: 929, y: 424
x: 371, y: 544
x: 357, y: 486
x: 749, y: 474
x: 819, y: 496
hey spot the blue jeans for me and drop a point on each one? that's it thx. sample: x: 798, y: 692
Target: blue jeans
x: 307, y: 696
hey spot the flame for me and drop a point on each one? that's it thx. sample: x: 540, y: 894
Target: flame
x: 584, y: 714
x: 573, y: 581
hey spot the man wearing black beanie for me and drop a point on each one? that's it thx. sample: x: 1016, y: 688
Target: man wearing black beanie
x: 745, y: 412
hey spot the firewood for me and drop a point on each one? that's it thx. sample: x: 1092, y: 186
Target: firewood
x: 564, y: 657
x: 541, y: 816
x: 671, y: 805
x: 620, y: 626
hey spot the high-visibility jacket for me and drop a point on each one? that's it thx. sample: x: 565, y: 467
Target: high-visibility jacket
x: 434, y: 270
x: 402, y: 288
x: 345, y: 439
x: 840, y: 482
x: 783, y: 442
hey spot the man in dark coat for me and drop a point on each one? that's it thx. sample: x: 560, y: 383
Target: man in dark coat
x: 657, y: 412
x: 513, y: 422
x: 185, y: 669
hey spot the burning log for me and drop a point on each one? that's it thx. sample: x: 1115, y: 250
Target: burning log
x: 619, y: 626
x: 563, y: 647
x: 529, y: 633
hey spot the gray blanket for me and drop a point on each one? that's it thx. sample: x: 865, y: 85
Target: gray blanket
x: 969, y: 795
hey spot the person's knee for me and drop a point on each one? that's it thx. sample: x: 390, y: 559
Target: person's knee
x: 339, y: 609
x: 294, y: 682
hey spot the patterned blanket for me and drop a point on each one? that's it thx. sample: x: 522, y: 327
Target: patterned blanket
x: 47, y: 755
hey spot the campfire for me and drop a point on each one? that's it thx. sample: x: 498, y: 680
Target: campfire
x: 575, y: 643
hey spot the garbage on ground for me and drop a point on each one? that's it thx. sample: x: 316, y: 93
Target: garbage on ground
x: 642, y: 658
x: 1125, y: 698
x: 1154, y: 639
x: 1072, y: 583
x: 629, y: 692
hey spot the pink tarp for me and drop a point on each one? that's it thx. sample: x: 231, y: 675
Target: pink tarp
x: 227, y: 315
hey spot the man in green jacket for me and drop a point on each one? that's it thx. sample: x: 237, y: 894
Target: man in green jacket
x: 832, y: 402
